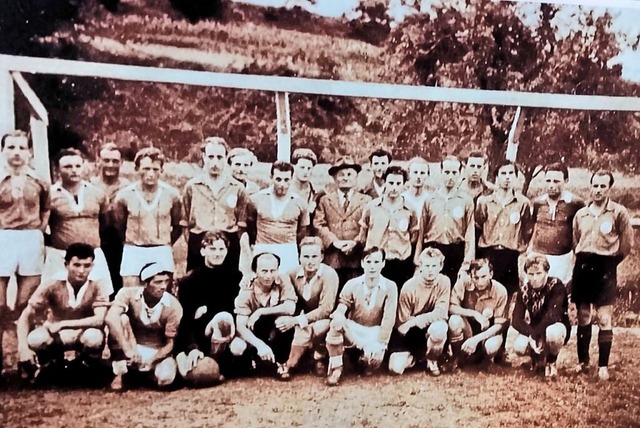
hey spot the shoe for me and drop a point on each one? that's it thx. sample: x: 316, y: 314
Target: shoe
x: 117, y: 384
x: 28, y: 371
x: 183, y: 364
x: 581, y: 368
x: 432, y: 368
x: 550, y: 370
x: 603, y: 373
x: 320, y: 368
x: 283, y: 372
x: 334, y: 376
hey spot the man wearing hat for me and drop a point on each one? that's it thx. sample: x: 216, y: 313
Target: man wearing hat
x: 241, y: 161
x: 336, y: 220
x: 143, y: 322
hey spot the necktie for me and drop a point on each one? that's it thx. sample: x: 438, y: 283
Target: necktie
x: 345, y: 201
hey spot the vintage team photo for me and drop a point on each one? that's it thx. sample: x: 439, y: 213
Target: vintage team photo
x: 319, y: 213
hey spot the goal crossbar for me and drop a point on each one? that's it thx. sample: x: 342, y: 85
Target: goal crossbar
x: 317, y: 86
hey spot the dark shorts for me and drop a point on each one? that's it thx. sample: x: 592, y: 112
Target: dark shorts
x: 415, y: 342
x: 453, y: 258
x: 566, y: 326
x: 505, y: 266
x: 399, y: 271
x: 594, y: 279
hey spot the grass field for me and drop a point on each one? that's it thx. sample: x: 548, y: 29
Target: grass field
x: 500, y: 397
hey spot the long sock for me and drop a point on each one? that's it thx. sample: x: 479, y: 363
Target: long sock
x: 584, y: 341
x: 552, y: 358
x: 605, y: 338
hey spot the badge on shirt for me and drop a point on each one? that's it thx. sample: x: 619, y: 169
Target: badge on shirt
x: 514, y: 218
x: 232, y: 200
x: 606, y: 227
x: 403, y: 225
x: 458, y: 212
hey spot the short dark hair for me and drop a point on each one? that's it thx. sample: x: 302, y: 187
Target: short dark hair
x: 380, y: 153
x: 215, y: 140
x: 603, y: 172
x: 476, y: 154
x: 254, y: 261
x: 153, y: 153
x: 366, y: 253
x: 281, y: 166
x: 304, y: 153
x: 67, y: 152
x: 477, y: 264
x: 16, y: 134
x: 212, y: 236
x: 536, y: 260
x: 451, y: 158
x: 80, y: 250
x: 557, y: 166
x: 504, y: 163
x: 397, y: 170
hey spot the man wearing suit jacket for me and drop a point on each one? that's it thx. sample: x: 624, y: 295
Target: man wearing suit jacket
x: 336, y: 220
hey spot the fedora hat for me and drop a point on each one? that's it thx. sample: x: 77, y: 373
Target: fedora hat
x: 344, y: 162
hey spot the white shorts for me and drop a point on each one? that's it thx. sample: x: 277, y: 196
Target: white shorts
x: 360, y: 336
x: 54, y: 268
x: 134, y: 258
x: 21, y: 252
x: 561, y: 267
x: 288, y: 254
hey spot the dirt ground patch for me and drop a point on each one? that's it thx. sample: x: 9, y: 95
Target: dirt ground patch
x: 501, y: 397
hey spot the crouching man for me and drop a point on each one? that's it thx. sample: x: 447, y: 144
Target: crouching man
x: 207, y: 297
x: 266, y: 297
x: 371, y: 301
x: 77, y: 309
x: 541, y: 315
x: 477, y: 315
x: 423, y: 309
x: 316, y: 286
x: 143, y: 322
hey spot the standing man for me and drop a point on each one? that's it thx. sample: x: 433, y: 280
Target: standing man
x: 24, y: 215
x: 541, y: 315
x: 371, y: 302
x: 390, y: 224
x: 316, y: 286
x: 241, y: 161
x: 78, y: 307
x: 418, y: 189
x: 148, y: 214
x: 78, y: 213
x: 447, y: 221
x: 213, y: 200
x: 504, y: 219
x: 303, y: 161
x: 143, y: 323
x: 268, y: 296
x: 111, y: 182
x: 474, y: 182
x: 276, y: 219
x: 423, y: 310
x: 337, y: 220
x: 477, y: 315
x: 379, y: 160
x: 552, y: 220
x: 602, y: 237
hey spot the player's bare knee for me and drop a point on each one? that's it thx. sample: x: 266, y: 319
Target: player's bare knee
x: 165, y: 372
x: 398, y: 362
x: 456, y: 326
x: 39, y: 339
x: 492, y: 345
x: 584, y: 314
x: 92, y: 338
x: 521, y: 344
x: 604, y: 318
x: 438, y: 332
x: 237, y: 347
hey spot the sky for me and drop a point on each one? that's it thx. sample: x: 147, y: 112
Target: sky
x: 570, y: 18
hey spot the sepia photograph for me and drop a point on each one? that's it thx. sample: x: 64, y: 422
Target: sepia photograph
x: 319, y: 213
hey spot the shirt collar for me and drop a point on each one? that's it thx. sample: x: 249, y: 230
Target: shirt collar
x: 516, y: 197
x: 27, y: 171
x: 566, y: 197
x: 165, y: 300
x: 226, y: 179
x: 319, y: 272
x: 405, y: 205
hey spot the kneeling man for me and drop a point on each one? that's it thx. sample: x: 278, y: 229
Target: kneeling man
x: 143, y: 322
x: 477, y: 314
x: 77, y: 307
x: 267, y: 296
x: 372, y: 301
x: 316, y: 286
x: 423, y: 309
x: 541, y: 315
